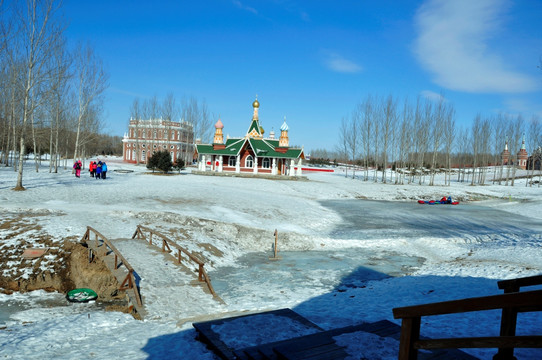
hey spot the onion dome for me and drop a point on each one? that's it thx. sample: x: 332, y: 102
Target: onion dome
x: 219, y: 124
x: 256, y: 104
x: 284, y: 127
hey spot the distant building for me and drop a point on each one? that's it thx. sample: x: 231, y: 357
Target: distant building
x: 522, y: 155
x: 145, y: 137
x: 252, y: 153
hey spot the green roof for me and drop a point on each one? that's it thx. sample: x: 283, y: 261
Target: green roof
x: 255, y: 125
x: 261, y: 148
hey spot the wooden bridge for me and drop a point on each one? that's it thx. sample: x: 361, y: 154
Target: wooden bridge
x: 128, y: 278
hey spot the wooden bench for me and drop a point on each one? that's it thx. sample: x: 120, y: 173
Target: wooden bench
x: 511, y: 302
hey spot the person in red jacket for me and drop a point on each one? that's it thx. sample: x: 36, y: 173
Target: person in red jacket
x: 91, y: 168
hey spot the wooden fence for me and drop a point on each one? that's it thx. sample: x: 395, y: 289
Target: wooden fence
x: 167, y: 246
x: 104, y: 247
x: 511, y: 302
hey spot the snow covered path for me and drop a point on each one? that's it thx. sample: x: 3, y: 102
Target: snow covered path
x: 170, y: 292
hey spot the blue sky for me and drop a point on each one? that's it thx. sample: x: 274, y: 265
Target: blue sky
x: 313, y: 61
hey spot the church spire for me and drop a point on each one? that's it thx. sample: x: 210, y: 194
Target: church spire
x: 255, y: 130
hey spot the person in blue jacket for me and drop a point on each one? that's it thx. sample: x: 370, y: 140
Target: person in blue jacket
x: 104, y: 170
x: 449, y: 201
x: 99, y: 170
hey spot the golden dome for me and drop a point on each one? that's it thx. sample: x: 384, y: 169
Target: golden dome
x: 256, y: 104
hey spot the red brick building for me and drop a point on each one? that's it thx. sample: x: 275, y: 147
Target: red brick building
x: 145, y: 137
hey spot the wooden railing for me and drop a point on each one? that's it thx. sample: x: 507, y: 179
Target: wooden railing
x: 104, y: 247
x: 509, y: 315
x: 166, y: 246
x: 410, y: 341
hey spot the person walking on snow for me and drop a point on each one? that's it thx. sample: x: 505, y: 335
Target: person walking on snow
x: 77, y: 166
x: 104, y: 170
x: 91, y: 168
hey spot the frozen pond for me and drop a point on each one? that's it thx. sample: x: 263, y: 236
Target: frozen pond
x: 368, y: 219
x: 308, y: 271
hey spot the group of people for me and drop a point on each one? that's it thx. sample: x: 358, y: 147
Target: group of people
x: 97, y: 170
x: 446, y: 200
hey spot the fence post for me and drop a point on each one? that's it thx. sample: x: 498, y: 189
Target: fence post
x: 200, y: 273
x: 410, y: 332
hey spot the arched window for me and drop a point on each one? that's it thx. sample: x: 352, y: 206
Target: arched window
x: 143, y: 155
x: 266, y: 163
x: 249, y: 162
x: 232, y: 160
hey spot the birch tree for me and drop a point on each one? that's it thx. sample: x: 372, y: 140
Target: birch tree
x: 91, y: 81
x: 35, y: 37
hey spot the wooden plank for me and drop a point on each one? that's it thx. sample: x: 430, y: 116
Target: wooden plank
x: 521, y: 299
x: 482, y: 342
x: 513, y: 284
x: 317, y: 351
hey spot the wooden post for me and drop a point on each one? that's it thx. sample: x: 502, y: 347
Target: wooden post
x: 276, y: 241
x: 275, y: 248
x: 150, y: 238
x: 509, y: 318
x: 200, y: 272
x: 410, y: 332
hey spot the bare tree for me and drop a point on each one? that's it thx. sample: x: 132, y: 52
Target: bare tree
x: 389, y: 120
x: 91, y: 83
x: 533, y: 139
x: 343, y: 148
x: 135, y: 115
x: 366, y: 129
x: 32, y: 48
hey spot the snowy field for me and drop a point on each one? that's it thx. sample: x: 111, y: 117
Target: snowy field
x: 351, y: 252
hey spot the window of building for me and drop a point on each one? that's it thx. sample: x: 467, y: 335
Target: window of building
x: 232, y: 160
x: 143, y: 155
x: 154, y: 134
x: 154, y: 146
x: 266, y: 163
x: 172, y: 147
x: 249, y: 162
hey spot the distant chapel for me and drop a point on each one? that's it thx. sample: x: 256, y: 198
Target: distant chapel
x: 251, y: 153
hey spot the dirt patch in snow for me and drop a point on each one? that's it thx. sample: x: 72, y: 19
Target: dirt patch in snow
x: 63, y: 267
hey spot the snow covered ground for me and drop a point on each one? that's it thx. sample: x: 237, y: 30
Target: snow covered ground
x: 345, y: 258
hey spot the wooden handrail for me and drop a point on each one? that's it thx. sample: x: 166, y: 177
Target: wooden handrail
x: 129, y: 280
x: 527, y: 298
x: 514, y: 285
x: 166, y: 243
x: 410, y: 341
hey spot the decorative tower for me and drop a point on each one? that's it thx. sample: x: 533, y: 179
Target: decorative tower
x: 505, y: 155
x: 283, y: 140
x: 255, y: 130
x: 272, y: 134
x: 522, y: 155
x: 218, y: 140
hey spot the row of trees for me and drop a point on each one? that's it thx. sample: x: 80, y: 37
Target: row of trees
x: 422, y: 138
x: 52, y: 95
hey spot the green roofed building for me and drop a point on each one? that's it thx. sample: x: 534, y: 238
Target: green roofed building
x: 252, y: 153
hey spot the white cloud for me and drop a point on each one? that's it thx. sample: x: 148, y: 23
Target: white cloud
x: 337, y: 63
x: 244, y: 7
x: 452, y: 44
x: 433, y: 96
